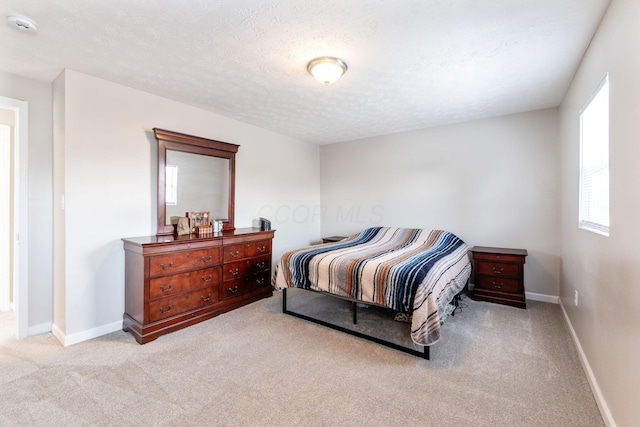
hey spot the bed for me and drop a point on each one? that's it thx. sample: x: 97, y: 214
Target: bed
x: 414, y: 271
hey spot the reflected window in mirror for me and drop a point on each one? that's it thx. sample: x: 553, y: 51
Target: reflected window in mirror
x: 171, y: 172
x: 203, y: 185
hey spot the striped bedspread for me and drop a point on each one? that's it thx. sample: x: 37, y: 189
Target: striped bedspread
x: 408, y: 270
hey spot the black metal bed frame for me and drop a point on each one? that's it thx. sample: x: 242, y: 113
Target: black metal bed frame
x: 422, y: 354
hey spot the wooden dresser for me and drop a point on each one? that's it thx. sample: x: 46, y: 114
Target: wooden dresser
x: 498, y: 275
x: 172, y: 282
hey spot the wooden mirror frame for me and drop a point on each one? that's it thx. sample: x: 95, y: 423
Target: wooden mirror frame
x: 169, y: 140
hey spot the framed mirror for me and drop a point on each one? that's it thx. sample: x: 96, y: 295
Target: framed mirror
x: 194, y: 175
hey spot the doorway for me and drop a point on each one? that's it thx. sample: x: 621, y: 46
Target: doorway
x: 13, y: 216
x: 7, y: 123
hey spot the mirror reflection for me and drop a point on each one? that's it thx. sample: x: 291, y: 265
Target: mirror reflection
x: 200, y: 178
x: 196, y: 182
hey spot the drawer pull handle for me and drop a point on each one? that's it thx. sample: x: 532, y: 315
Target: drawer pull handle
x: 207, y: 279
x: 205, y: 260
x: 162, y: 266
x: 168, y: 288
x: 234, y: 254
x: 498, y: 271
x: 234, y: 289
x: 166, y: 310
x: 262, y: 249
x: 207, y: 298
x: 260, y: 281
x: 261, y: 264
x: 497, y: 286
x: 234, y: 272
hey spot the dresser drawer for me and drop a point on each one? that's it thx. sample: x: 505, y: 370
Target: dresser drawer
x: 498, y: 269
x: 238, y: 269
x: 171, y: 285
x: 498, y: 284
x: 183, y: 261
x: 237, y: 287
x: 246, y: 250
x: 170, y: 306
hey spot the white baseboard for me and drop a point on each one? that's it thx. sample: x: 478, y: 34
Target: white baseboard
x: 595, y: 389
x: 79, y: 337
x: 42, y: 328
x: 542, y: 297
x: 55, y: 330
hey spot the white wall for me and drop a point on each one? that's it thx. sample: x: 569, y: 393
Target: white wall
x: 38, y: 96
x: 110, y: 187
x: 605, y: 270
x: 491, y: 182
x: 59, y: 232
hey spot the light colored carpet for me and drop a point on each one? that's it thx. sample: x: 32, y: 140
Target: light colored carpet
x: 494, y: 366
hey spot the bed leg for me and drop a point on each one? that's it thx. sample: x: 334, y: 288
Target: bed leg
x: 456, y: 302
x: 355, y: 313
x: 284, y: 300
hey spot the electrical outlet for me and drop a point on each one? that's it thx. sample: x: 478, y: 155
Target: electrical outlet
x: 575, y: 298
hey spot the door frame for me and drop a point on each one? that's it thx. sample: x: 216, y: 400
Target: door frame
x: 20, y: 213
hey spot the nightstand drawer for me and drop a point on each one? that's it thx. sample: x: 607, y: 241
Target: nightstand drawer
x: 518, y: 259
x: 498, y: 284
x: 498, y: 269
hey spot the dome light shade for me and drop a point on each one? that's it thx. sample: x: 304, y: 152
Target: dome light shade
x: 327, y: 69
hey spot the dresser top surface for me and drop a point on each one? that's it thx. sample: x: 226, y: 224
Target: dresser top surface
x: 501, y: 251
x: 192, y: 238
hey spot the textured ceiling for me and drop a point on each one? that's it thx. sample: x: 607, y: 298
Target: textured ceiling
x: 412, y: 64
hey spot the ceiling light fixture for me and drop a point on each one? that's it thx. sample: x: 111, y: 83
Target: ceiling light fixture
x: 22, y: 23
x: 327, y: 69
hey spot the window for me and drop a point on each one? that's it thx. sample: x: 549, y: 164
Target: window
x: 594, y: 162
x: 171, y: 184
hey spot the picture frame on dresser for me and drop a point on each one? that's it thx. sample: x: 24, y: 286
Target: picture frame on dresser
x: 198, y: 219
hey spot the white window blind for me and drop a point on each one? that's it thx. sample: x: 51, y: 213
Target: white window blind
x: 171, y: 185
x: 594, y: 162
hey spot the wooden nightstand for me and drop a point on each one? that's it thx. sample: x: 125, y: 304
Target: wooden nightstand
x: 498, y: 275
x: 332, y: 239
